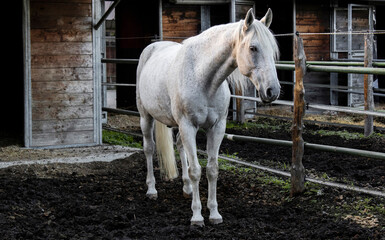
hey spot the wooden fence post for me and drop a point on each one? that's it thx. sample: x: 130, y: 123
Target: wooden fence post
x: 297, y: 169
x: 368, y: 85
x: 240, y: 106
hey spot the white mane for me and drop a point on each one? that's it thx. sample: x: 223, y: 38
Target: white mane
x: 266, y: 38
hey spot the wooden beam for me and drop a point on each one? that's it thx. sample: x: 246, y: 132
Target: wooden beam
x: 368, y: 85
x: 297, y: 168
x: 200, y: 2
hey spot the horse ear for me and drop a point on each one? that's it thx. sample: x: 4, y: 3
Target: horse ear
x: 249, y: 19
x: 267, y: 18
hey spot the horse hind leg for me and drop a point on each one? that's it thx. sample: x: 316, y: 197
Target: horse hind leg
x: 187, y: 188
x: 147, y: 126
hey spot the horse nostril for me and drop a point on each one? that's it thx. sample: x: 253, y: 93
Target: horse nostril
x: 269, y: 93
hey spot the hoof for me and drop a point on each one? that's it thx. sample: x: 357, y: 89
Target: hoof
x: 186, y: 195
x: 216, y: 221
x: 198, y: 223
x: 152, y: 196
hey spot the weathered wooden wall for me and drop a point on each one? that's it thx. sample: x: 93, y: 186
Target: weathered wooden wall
x: 314, y: 17
x: 62, y: 72
x: 180, y: 21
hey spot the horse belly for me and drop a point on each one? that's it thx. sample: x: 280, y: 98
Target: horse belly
x: 153, y: 92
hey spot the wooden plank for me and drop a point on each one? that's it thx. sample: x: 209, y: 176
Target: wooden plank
x: 315, y: 42
x: 178, y: 21
x: 316, y: 50
x: 54, y: 9
x: 316, y: 57
x: 182, y: 13
x: 62, y: 35
x: 170, y: 22
x: 67, y: 125
x: 62, y: 112
x: 62, y: 1
x: 61, y: 74
x: 61, y: 48
x: 192, y: 27
x: 61, y: 61
x: 185, y: 34
x: 368, y: 86
x: 312, y: 27
x: 64, y: 138
x: 49, y: 88
x: 62, y: 23
x: 62, y: 99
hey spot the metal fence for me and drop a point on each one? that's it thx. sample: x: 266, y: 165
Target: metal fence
x: 313, y: 66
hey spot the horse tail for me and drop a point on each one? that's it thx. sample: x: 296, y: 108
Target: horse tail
x: 165, y: 150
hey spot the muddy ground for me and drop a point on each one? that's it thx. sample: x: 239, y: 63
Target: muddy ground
x: 107, y: 200
x: 348, y: 169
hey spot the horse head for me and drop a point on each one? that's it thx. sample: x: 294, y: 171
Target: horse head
x: 256, y: 51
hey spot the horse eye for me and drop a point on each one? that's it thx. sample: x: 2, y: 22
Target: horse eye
x: 253, y: 49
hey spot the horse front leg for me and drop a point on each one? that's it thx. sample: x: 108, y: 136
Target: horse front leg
x: 188, y: 137
x: 147, y: 126
x: 214, y: 139
x: 187, y: 189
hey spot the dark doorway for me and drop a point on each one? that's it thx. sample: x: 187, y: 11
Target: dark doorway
x: 12, y: 97
x: 137, y: 25
x: 282, y: 23
x: 219, y: 14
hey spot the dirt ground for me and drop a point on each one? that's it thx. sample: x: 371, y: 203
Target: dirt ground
x: 360, y: 171
x: 106, y: 200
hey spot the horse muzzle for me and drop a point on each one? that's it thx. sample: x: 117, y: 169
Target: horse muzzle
x: 270, y: 93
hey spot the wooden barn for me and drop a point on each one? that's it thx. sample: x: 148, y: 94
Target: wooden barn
x: 140, y: 23
x: 55, y: 95
x: 339, y: 17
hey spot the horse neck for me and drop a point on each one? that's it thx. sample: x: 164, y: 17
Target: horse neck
x: 214, y: 55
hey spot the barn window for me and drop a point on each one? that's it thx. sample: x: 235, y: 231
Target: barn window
x: 349, y: 24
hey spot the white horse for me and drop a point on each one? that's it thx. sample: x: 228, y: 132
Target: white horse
x: 183, y: 85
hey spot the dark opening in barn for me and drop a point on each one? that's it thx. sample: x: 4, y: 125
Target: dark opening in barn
x: 282, y: 23
x: 137, y: 25
x: 12, y: 97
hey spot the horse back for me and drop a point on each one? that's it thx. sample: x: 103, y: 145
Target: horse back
x: 152, y: 50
